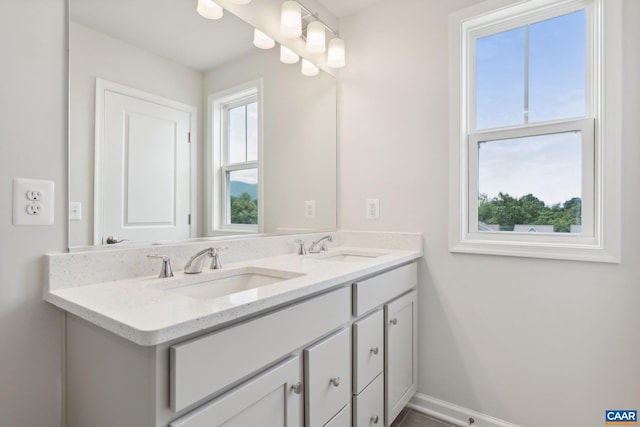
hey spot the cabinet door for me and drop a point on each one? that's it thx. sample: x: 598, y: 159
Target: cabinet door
x: 270, y: 399
x: 400, y: 354
x: 327, y: 378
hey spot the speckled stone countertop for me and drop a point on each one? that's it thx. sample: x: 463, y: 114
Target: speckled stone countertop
x: 147, y: 310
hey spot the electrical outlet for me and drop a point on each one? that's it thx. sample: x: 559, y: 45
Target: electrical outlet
x: 34, y: 208
x: 34, y: 195
x: 373, y: 209
x: 32, y: 201
x: 310, y: 209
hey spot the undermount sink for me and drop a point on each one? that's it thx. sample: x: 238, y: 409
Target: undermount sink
x: 227, y: 282
x: 350, y: 256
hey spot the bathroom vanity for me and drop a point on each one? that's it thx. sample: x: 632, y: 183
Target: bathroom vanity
x: 329, y: 340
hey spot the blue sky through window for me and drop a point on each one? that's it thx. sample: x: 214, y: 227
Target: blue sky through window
x: 525, y: 75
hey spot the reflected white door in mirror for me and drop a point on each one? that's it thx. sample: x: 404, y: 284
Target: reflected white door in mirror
x: 143, y: 174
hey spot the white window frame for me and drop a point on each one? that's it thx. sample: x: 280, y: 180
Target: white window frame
x: 600, y: 129
x: 217, y: 189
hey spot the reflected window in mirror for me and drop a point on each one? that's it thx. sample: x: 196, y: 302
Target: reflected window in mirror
x: 236, y: 147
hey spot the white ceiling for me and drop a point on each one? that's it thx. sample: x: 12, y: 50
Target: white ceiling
x: 174, y: 30
x: 342, y: 8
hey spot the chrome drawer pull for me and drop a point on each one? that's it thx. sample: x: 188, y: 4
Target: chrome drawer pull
x: 297, y: 388
x: 374, y: 419
x: 374, y: 350
x: 335, y: 381
x: 393, y: 321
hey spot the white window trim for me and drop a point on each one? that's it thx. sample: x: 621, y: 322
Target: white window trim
x: 216, y: 191
x: 604, y: 244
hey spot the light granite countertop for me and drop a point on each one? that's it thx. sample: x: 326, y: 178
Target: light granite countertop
x: 147, y: 311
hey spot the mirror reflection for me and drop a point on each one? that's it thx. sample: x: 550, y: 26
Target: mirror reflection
x: 181, y: 128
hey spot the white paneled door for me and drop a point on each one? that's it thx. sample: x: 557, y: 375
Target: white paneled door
x: 144, y: 172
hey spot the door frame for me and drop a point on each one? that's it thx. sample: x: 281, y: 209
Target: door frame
x: 103, y: 86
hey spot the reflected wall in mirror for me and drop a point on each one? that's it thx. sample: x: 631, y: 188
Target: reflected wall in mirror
x: 148, y: 76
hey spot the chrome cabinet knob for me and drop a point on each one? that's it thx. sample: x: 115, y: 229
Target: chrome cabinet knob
x: 335, y: 381
x: 297, y: 388
x: 393, y: 321
x: 374, y: 350
x: 375, y: 419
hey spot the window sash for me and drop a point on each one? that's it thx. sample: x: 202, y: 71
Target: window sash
x: 586, y: 128
x: 505, y: 20
x: 226, y: 194
x: 243, y: 101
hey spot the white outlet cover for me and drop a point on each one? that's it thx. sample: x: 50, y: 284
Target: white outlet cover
x: 310, y: 209
x: 373, y: 209
x: 21, y: 190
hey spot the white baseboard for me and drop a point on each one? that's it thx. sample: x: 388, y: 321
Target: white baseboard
x: 453, y: 414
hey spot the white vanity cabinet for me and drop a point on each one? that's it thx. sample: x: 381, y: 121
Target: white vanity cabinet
x: 343, y: 357
x: 385, y: 345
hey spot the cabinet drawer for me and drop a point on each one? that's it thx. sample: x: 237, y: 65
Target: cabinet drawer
x: 368, y: 406
x: 265, y: 400
x: 342, y: 419
x: 204, y: 365
x: 328, y: 378
x: 368, y: 349
x: 372, y: 292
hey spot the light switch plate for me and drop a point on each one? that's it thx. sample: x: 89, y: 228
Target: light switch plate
x: 32, y: 201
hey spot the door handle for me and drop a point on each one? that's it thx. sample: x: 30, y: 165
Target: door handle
x: 113, y: 241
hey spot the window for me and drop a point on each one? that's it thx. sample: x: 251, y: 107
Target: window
x: 529, y: 131
x: 235, y: 160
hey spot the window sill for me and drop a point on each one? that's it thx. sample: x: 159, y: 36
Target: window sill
x: 544, y: 250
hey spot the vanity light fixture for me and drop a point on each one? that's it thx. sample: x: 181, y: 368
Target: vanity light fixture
x: 287, y: 56
x: 297, y: 20
x: 291, y: 19
x: 316, y: 37
x: 261, y: 40
x: 336, y: 54
x: 309, y: 69
x: 209, y: 9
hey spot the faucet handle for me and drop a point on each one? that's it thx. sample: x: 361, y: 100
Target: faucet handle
x: 301, y: 248
x: 216, y: 264
x: 166, y: 270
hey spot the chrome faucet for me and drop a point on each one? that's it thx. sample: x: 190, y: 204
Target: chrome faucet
x: 194, y: 266
x: 320, y: 245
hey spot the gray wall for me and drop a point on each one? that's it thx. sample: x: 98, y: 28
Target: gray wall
x: 32, y: 145
x: 534, y: 342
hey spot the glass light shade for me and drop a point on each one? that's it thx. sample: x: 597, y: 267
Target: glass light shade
x: 308, y: 69
x: 261, y: 40
x: 291, y: 20
x: 336, y: 54
x: 241, y: 1
x: 316, y: 38
x: 209, y: 9
x: 288, y: 56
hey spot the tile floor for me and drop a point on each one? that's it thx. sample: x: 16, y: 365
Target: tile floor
x: 410, y: 418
